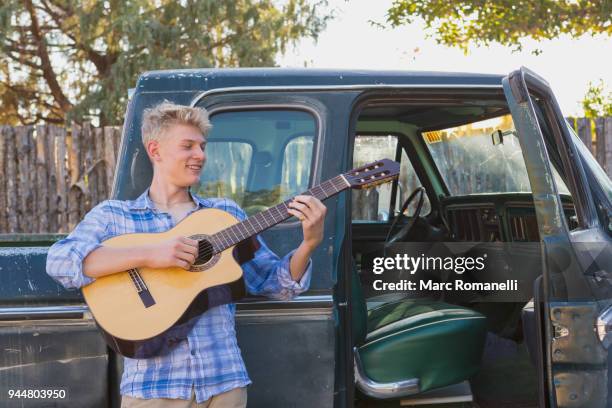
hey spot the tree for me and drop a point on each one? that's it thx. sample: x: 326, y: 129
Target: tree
x: 481, y: 22
x: 73, y: 59
x: 596, y: 103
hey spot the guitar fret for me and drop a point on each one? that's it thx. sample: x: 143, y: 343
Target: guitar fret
x: 324, y: 192
x: 246, y: 226
x: 218, y: 244
x: 228, y: 235
x: 265, y: 220
x: 325, y: 188
x: 334, y: 186
x: 277, y: 209
x: 280, y: 214
x: 231, y: 229
x: 284, y: 203
x: 268, y: 220
x: 276, y: 213
x: 238, y: 233
x: 258, y: 228
x: 219, y: 238
x: 262, y: 220
x: 226, y: 241
x: 228, y: 238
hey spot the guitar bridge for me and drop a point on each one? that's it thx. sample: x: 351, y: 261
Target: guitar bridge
x: 141, y: 288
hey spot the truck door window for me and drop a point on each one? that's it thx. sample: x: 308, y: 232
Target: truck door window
x: 258, y: 158
x: 373, y: 204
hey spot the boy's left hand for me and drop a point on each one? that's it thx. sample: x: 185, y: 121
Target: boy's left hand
x: 311, y: 211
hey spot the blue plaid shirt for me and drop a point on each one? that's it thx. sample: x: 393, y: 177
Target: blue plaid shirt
x: 209, y: 359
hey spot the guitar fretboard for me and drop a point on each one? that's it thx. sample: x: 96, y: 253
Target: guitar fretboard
x: 261, y: 221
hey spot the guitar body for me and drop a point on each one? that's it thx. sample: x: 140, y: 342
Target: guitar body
x: 136, y: 325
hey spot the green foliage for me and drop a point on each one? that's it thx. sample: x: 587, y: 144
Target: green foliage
x: 481, y: 22
x: 62, y: 59
x: 596, y: 103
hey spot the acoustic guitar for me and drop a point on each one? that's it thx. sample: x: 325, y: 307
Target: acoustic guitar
x: 143, y: 312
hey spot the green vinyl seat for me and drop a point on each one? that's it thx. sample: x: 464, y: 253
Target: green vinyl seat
x: 410, y: 346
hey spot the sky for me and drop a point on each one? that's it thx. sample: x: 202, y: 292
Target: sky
x: 350, y: 41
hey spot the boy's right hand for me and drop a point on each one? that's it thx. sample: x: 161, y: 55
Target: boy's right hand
x: 175, y: 252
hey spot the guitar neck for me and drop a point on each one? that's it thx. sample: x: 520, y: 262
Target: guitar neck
x: 259, y: 222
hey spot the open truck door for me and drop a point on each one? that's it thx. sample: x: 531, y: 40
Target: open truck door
x: 575, y: 291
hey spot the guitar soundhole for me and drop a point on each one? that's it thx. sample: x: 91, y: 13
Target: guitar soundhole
x: 205, y: 253
x: 206, y: 257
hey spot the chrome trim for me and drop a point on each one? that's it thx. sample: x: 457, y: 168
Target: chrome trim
x: 380, y: 390
x: 209, y: 92
x: 324, y: 302
x: 298, y: 300
x: 8, y: 313
x: 603, y: 327
x: 294, y: 315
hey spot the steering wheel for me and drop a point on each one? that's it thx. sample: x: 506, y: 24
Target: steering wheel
x: 403, y: 233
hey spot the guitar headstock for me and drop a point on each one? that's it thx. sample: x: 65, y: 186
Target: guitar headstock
x: 370, y: 175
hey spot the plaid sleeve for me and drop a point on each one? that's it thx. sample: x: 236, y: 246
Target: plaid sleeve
x: 65, y: 257
x: 267, y: 274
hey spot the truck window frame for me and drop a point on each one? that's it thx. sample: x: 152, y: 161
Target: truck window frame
x: 559, y: 152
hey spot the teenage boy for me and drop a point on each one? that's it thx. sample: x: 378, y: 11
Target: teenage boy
x: 205, y: 369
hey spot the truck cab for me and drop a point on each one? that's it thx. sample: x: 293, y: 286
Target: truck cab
x: 483, y: 159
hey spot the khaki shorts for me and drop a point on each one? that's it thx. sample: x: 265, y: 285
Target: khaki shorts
x: 236, y: 398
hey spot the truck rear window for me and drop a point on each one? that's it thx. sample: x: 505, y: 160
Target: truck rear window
x: 258, y: 158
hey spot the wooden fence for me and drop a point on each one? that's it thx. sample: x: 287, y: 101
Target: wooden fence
x: 51, y: 176
x: 596, y: 134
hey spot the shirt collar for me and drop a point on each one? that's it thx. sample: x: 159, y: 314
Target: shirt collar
x: 143, y: 202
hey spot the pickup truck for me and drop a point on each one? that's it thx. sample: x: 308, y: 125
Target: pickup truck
x: 491, y: 159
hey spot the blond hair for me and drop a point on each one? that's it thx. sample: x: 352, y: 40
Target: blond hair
x: 158, y: 118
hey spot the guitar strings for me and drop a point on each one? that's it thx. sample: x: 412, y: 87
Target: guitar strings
x: 209, y: 253
x: 266, y: 219
x: 263, y: 214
